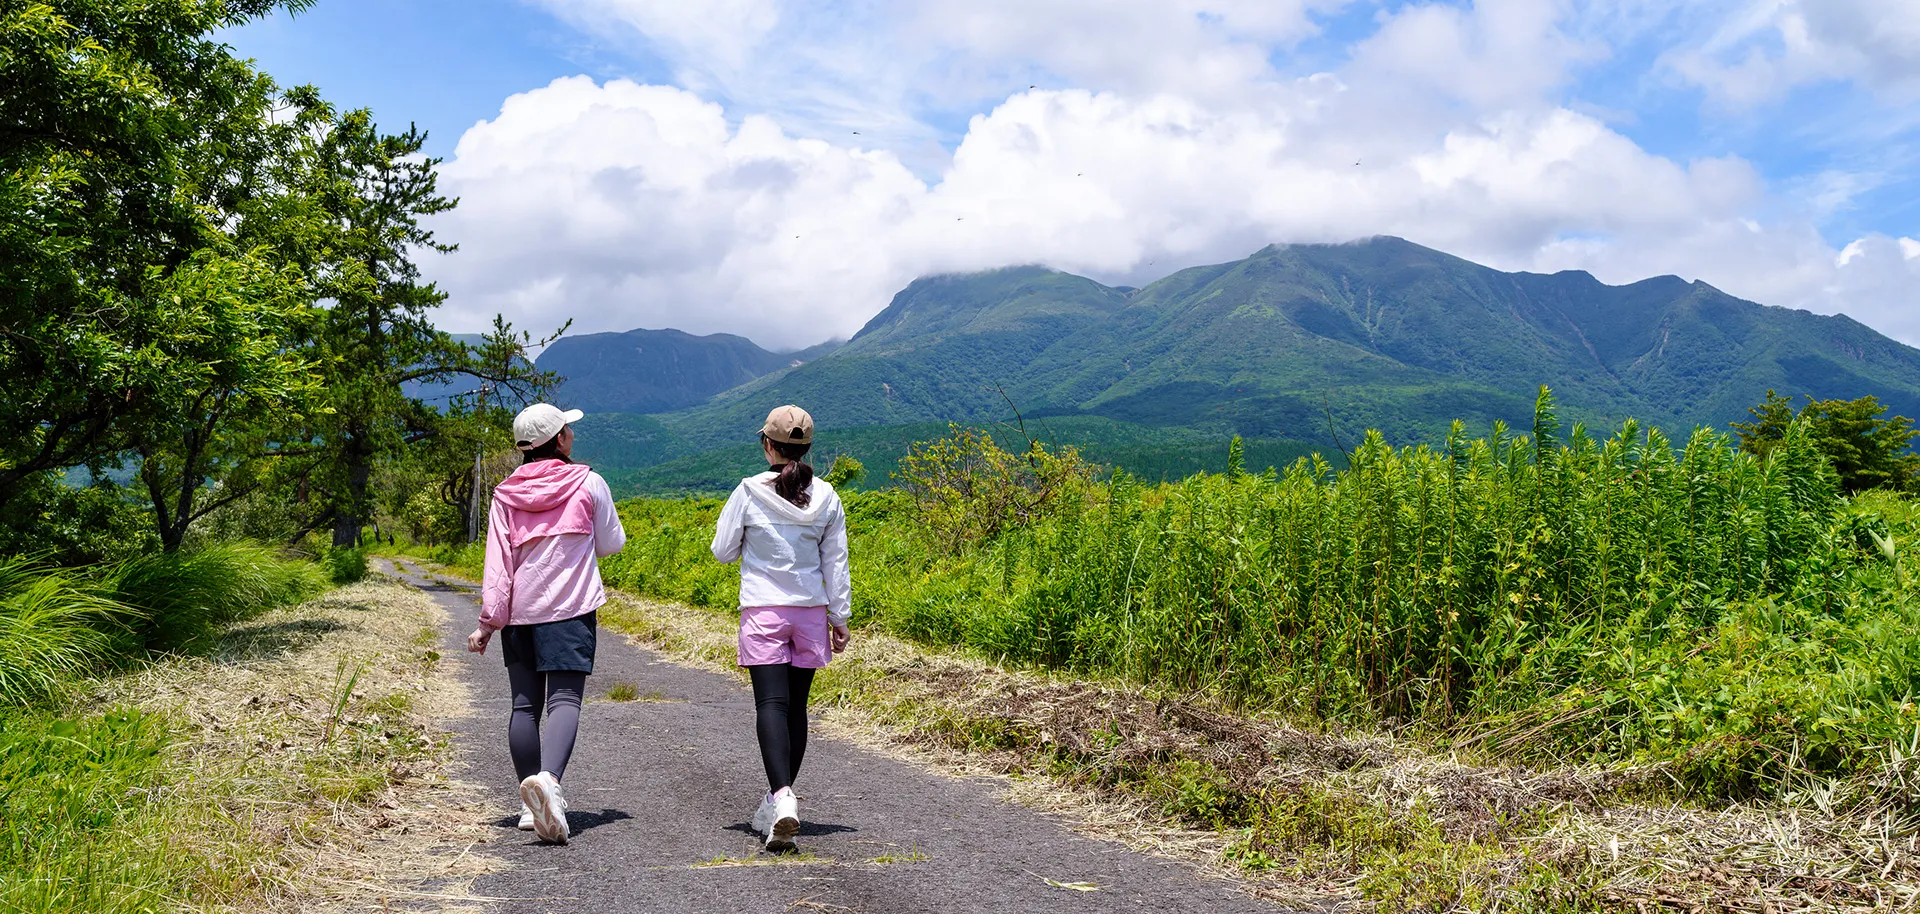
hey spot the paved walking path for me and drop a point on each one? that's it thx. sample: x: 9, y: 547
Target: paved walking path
x: 661, y: 792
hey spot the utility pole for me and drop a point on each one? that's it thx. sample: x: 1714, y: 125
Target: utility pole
x: 477, y: 501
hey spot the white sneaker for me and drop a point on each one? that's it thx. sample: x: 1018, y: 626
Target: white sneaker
x: 541, y: 793
x: 763, y: 818
x: 786, y: 821
x: 526, y: 818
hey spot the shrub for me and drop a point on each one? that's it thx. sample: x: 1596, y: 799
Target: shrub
x: 966, y: 489
x: 844, y: 472
x: 71, y: 526
x: 345, y: 565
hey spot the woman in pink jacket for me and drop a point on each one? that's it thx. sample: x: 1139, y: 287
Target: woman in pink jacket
x: 551, y: 521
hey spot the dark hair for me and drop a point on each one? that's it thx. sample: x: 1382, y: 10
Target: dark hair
x: 796, y: 478
x: 546, y: 450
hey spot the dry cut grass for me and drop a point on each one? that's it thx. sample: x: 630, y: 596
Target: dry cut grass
x: 309, y: 771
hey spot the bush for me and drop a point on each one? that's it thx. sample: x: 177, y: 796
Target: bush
x: 966, y: 489
x: 186, y: 598
x: 71, y: 526
x: 345, y: 565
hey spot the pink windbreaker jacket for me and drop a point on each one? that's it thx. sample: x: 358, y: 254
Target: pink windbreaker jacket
x: 549, y: 523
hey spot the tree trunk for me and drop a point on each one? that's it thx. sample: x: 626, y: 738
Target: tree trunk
x: 348, y: 522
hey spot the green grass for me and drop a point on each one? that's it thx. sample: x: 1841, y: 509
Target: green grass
x: 1622, y: 600
x: 75, y: 822
x: 184, y: 599
x: 55, y: 626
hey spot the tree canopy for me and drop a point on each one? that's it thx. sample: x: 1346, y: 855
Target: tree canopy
x: 209, y: 278
x: 1866, y: 450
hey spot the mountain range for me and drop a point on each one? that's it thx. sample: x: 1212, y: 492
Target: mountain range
x: 1306, y: 342
x: 657, y: 371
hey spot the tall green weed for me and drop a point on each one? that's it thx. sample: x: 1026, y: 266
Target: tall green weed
x: 54, y: 626
x: 58, y: 625
x: 185, y: 598
x: 1542, y: 597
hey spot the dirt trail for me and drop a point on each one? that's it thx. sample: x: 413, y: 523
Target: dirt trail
x: 661, y: 791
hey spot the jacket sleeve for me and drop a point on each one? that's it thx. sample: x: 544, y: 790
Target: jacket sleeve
x: 730, y: 533
x: 834, y: 566
x: 496, y: 579
x: 609, y: 536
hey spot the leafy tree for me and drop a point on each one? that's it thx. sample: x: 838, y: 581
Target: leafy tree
x: 113, y: 124
x: 355, y: 225
x: 1865, y: 450
x: 229, y: 401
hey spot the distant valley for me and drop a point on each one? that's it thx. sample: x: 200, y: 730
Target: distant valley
x: 1297, y: 345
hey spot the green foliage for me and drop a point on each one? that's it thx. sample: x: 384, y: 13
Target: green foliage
x: 1621, y: 599
x: 54, y: 627
x: 345, y: 564
x: 236, y: 367
x: 1867, y: 451
x: 70, y: 526
x: 68, y: 789
x: 184, y: 599
x: 844, y: 471
x: 214, y: 277
x: 965, y: 489
x: 131, y: 133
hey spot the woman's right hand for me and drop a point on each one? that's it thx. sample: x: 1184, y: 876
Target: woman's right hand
x: 841, y: 638
x: 477, y: 642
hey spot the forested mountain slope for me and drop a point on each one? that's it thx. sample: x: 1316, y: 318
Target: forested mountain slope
x: 1380, y: 333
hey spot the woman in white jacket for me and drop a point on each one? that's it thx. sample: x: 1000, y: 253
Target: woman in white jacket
x: 789, y: 534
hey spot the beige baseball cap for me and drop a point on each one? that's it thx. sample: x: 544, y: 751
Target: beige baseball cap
x: 789, y: 425
x: 537, y: 424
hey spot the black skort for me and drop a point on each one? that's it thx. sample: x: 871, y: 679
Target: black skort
x: 548, y: 646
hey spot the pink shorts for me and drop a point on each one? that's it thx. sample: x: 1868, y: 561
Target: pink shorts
x: 784, y: 634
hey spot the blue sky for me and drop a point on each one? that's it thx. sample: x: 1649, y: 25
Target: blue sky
x: 779, y: 168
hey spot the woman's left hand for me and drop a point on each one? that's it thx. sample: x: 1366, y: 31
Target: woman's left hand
x: 477, y: 642
x: 841, y: 638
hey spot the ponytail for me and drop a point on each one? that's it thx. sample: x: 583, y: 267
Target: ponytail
x: 795, y: 482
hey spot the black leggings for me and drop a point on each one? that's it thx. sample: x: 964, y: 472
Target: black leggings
x: 562, y: 690
x: 780, y: 708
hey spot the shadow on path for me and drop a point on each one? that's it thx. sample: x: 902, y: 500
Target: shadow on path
x: 577, y: 820
x: 807, y: 829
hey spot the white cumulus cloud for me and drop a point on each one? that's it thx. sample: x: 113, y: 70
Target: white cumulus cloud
x: 624, y: 205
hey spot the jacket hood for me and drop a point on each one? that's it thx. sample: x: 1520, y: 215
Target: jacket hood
x: 542, y: 485
x: 761, y: 488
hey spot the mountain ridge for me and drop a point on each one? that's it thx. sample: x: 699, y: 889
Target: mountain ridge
x: 653, y: 371
x: 1380, y: 332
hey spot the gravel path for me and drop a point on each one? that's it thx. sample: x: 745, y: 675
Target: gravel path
x: 661, y: 792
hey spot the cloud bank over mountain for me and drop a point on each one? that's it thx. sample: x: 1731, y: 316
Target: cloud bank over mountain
x: 813, y: 160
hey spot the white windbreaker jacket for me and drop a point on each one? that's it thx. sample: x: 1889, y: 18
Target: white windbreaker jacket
x: 789, y: 556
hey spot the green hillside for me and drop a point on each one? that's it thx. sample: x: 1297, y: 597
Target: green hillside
x: 653, y: 371
x: 1300, y: 338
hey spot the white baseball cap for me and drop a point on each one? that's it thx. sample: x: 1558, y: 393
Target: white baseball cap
x: 537, y: 424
